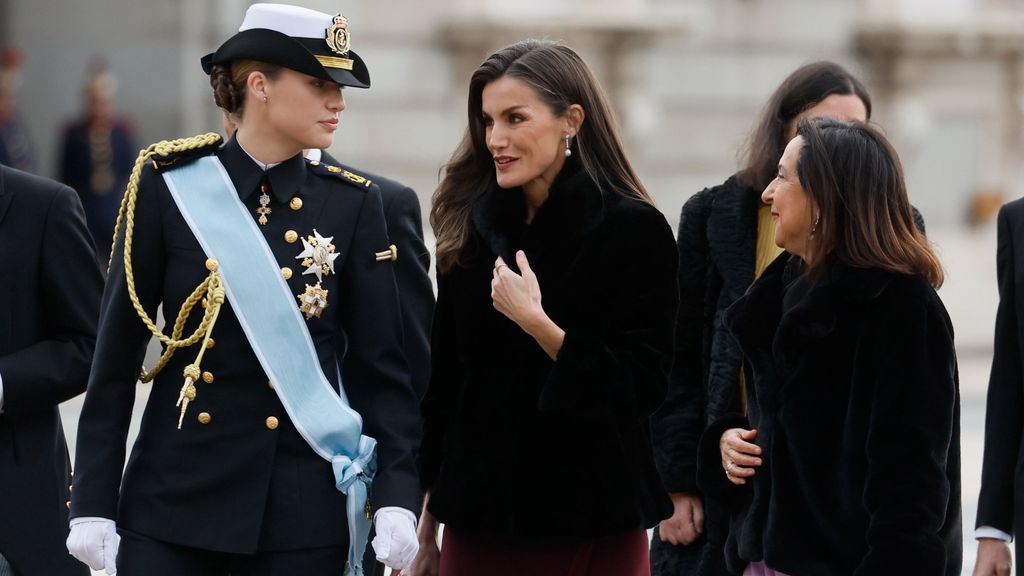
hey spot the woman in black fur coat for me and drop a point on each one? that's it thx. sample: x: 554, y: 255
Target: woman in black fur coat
x: 848, y: 461
x: 726, y: 239
x: 536, y: 452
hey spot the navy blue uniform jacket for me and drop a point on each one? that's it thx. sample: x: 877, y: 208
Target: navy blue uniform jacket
x: 234, y: 484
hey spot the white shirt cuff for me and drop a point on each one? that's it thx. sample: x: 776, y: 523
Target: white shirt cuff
x: 396, y: 510
x: 990, y: 532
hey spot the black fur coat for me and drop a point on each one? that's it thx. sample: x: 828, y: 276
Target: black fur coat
x: 521, y: 448
x: 856, y: 404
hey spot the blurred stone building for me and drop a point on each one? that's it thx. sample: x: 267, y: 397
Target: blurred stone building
x: 687, y: 77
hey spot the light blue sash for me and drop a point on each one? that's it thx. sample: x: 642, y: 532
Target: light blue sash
x: 270, y: 317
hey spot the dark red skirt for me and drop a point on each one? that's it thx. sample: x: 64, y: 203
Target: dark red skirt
x: 620, y: 555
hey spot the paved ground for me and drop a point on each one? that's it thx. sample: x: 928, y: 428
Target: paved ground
x: 971, y: 297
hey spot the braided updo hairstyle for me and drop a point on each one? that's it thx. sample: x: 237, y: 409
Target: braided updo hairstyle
x: 230, y: 83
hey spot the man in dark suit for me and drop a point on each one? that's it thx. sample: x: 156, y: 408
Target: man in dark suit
x: 1001, y: 502
x: 49, y: 303
x: 415, y: 292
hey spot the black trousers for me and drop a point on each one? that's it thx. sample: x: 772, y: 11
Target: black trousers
x: 143, y: 556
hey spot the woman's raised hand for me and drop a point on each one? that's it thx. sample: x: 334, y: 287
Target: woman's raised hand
x: 517, y: 296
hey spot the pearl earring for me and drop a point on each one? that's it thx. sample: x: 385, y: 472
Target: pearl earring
x: 568, y: 149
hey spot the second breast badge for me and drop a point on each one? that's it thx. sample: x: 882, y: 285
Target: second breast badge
x: 318, y: 257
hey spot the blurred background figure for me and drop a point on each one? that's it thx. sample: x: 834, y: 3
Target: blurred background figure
x: 15, y: 145
x: 97, y: 152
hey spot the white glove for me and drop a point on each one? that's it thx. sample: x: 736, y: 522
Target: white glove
x: 395, y: 543
x: 94, y: 542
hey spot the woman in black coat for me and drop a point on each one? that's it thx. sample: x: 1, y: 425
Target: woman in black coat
x: 848, y: 461
x: 536, y: 453
x: 725, y: 242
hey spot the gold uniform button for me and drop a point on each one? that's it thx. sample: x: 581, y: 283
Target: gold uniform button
x: 204, y: 417
x: 296, y: 203
x: 208, y: 377
x: 287, y: 272
x: 210, y: 343
x: 211, y: 264
x: 291, y: 236
x: 272, y: 423
x: 270, y: 384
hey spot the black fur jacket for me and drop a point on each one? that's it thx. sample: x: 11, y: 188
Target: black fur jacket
x: 519, y: 447
x: 855, y: 400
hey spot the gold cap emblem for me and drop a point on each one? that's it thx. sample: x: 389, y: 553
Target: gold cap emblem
x: 338, y: 38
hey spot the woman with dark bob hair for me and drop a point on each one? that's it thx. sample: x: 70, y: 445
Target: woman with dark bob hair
x: 848, y: 461
x: 536, y: 454
x: 726, y: 239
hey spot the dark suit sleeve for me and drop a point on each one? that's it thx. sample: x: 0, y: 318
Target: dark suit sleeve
x: 617, y: 363
x: 50, y: 371
x: 677, y: 426
x: 376, y: 376
x: 1004, y: 418
x: 912, y: 427
x: 405, y: 230
x: 103, y: 424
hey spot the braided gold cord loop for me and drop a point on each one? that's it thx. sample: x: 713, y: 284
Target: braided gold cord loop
x: 210, y: 288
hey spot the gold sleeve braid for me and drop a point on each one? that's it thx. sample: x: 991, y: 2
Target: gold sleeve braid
x: 210, y: 291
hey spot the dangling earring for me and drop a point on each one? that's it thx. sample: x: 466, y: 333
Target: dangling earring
x: 568, y: 149
x: 817, y: 220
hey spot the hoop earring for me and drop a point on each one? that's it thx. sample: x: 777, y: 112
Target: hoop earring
x: 568, y: 147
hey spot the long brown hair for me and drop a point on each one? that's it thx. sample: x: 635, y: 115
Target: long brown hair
x: 561, y: 79
x: 807, y: 86
x: 853, y: 175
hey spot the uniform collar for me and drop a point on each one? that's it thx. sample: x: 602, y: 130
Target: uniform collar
x: 262, y: 166
x: 246, y: 173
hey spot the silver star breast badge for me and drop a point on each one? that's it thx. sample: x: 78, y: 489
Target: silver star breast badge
x: 318, y: 255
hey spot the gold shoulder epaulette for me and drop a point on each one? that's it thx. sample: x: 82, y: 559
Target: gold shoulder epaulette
x: 171, y: 153
x: 340, y: 173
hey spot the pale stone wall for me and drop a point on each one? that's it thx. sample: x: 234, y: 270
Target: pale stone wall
x: 687, y: 77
